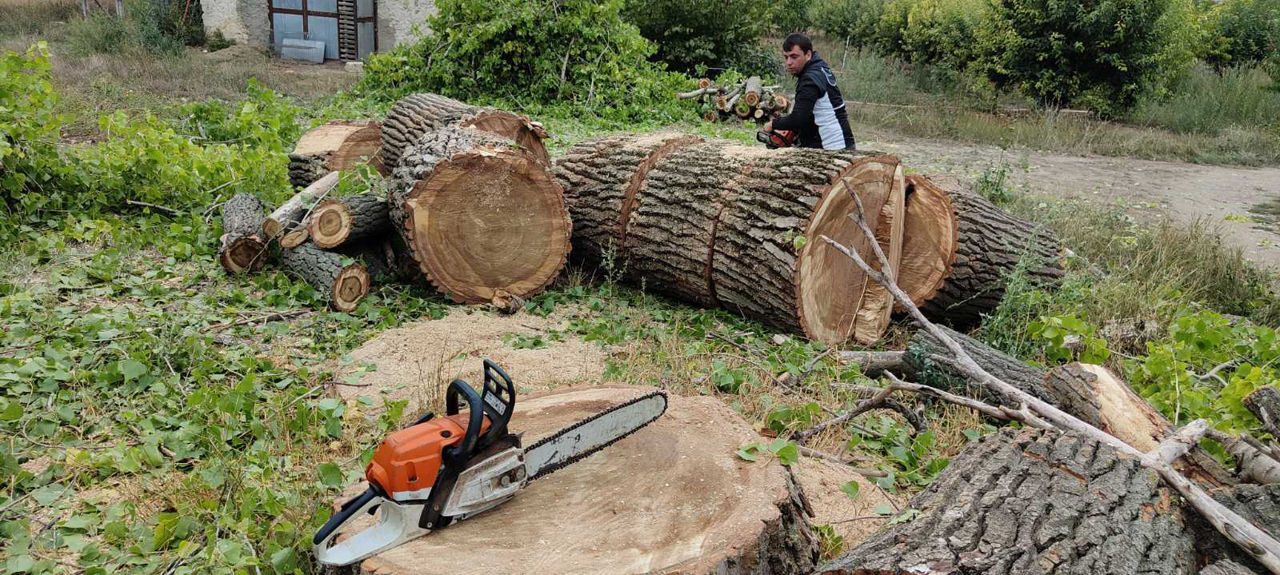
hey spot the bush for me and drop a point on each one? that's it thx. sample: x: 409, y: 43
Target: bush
x: 694, y: 37
x: 156, y: 26
x: 218, y: 41
x: 1242, y: 32
x: 30, y: 168
x: 1208, y: 103
x: 943, y: 31
x: 528, y: 53
x: 1098, y: 54
x: 854, y: 21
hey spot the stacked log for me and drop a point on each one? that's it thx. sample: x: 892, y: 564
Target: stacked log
x: 723, y: 225
x: 748, y: 99
x: 960, y: 249
x: 472, y: 207
x: 333, y: 147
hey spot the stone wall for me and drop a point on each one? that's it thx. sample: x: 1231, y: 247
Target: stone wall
x: 246, y: 21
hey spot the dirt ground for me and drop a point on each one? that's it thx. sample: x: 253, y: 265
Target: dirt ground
x: 1221, y: 196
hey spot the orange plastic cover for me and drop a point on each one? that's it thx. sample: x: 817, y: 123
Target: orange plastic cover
x: 409, y: 459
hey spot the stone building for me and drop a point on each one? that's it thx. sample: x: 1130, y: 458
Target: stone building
x: 350, y: 29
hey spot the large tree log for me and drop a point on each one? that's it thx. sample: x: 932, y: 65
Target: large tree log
x: 672, y: 497
x: 1264, y: 404
x: 343, y: 284
x: 333, y: 147
x: 1034, y: 501
x: 724, y: 225
x: 482, y: 216
x: 291, y: 213
x: 336, y: 222
x: 961, y: 249
x: 242, y: 248
x: 1260, y: 504
x: 416, y: 114
x: 1091, y: 393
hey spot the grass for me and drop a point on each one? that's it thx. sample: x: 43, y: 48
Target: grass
x: 25, y: 17
x: 1239, y: 99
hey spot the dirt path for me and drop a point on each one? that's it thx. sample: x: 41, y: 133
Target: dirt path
x: 1221, y: 196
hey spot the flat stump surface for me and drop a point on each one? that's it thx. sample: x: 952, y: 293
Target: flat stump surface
x: 672, y: 497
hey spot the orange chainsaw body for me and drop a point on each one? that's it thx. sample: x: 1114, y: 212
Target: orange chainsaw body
x: 409, y: 459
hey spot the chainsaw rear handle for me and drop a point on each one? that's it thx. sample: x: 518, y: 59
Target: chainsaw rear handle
x: 351, y: 507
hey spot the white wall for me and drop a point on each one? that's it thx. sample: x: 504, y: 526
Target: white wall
x: 245, y: 21
x: 401, y: 21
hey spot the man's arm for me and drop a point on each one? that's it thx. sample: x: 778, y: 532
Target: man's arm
x: 801, y: 115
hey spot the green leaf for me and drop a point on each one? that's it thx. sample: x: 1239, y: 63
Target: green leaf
x: 788, y: 454
x: 850, y: 488
x: 132, y: 369
x: 749, y: 451
x: 12, y: 412
x: 331, y: 475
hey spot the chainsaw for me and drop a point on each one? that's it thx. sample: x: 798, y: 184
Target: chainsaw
x: 774, y: 139
x: 441, y: 470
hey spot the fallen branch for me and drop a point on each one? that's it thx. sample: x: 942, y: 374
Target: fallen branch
x: 1178, y: 444
x: 814, y: 453
x: 1259, y: 544
x: 157, y: 207
x: 857, y: 410
x: 873, y: 363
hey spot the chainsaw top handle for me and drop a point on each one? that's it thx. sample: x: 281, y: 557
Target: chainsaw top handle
x: 497, y: 403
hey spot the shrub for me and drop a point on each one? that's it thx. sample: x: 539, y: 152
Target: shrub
x: 30, y: 168
x: 1241, y: 32
x: 694, y: 37
x: 1208, y: 103
x: 574, y: 52
x: 851, y: 20
x: 942, y: 31
x: 217, y: 41
x: 1099, y: 54
x: 160, y: 27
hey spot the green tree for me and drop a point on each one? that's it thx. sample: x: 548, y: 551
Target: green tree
x: 694, y: 37
x: 1098, y: 54
x: 1241, y: 32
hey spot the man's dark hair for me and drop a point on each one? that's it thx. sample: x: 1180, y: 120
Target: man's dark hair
x: 797, y: 39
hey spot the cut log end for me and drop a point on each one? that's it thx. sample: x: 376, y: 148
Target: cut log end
x: 351, y: 285
x: 294, y: 239
x: 528, y: 135
x: 822, y: 273
x: 330, y: 223
x: 929, y: 240
x: 486, y: 223
x: 243, y: 254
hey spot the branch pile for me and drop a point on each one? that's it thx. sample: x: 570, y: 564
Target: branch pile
x: 469, y: 205
x: 749, y: 99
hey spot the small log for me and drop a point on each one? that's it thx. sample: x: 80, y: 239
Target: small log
x: 334, y: 147
x: 1264, y: 404
x: 704, y: 83
x: 923, y: 348
x: 720, y: 224
x: 670, y: 498
x: 343, y: 284
x: 873, y: 363
x: 417, y: 114
x: 336, y: 222
x: 481, y: 215
x: 294, y: 238
x: 242, y: 248
x: 1252, y: 464
x: 963, y: 250
x: 1027, y: 501
x: 751, y: 91
x: 291, y: 213
x: 695, y: 93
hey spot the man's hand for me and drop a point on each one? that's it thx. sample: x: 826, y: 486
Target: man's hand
x: 768, y: 126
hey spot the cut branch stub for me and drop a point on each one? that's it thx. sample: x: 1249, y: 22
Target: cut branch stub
x: 417, y: 114
x: 336, y: 222
x: 333, y: 147
x: 723, y: 225
x: 962, y: 249
x: 482, y: 217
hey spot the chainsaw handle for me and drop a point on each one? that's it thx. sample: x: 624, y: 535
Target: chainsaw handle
x: 351, y: 507
x: 475, y: 410
x: 499, y: 400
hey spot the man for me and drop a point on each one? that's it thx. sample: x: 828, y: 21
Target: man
x: 818, y: 116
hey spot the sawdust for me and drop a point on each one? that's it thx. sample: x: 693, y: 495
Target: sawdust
x: 417, y: 361
x: 854, y: 519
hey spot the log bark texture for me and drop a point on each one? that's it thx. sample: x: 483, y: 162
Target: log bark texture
x: 670, y: 498
x: 416, y: 114
x: 482, y: 216
x: 1091, y: 393
x: 1030, y: 502
x: 336, y: 222
x: 242, y: 248
x: 342, y: 285
x: 333, y: 147
x: 291, y: 213
x: 1260, y: 505
x: 723, y: 225
x: 1264, y: 404
x: 963, y: 248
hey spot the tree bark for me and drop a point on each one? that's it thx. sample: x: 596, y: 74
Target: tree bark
x: 417, y: 114
x: 336, y: 222
x: 291, y: 213
x: 343, y: 285
x: 1264, y: 404
x: 242, y: 248
x: 1034, y: 501
x: 661, y: 500
x: 923, y: 349
x: 963, y: 248
x: 333, y: 147
x: 481, y: 215
x: 1260, y: 504
x: 723, y: 225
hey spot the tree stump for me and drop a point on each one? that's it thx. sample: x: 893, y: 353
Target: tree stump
x: 416, y: 114
x: 671, y: 497
x: 343, y: 285
x: 961, y: 249
x: 242, y: 248
x: 333, y: 147
x: 723, y: 225
x: 482, y: 217
x: 336, y: 222
x: 1034, y: 501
